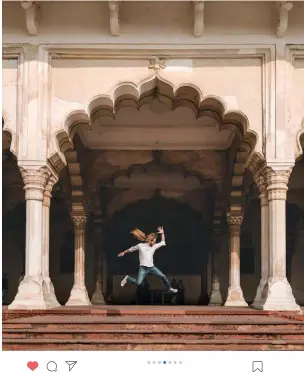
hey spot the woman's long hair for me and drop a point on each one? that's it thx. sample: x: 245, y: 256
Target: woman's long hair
x: 142, y: 236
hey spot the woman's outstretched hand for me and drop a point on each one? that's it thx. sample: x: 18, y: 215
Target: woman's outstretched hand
x: 121, y: 254
x: 160, y: 230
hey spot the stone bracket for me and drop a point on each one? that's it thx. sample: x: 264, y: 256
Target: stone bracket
x: 114, y: 18
x: 31, y: 9
x: 199, y: 15
x: 282, y: 17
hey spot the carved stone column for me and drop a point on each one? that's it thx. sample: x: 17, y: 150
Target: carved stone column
x: 235, y: 296
x: 215, y: 296
x: 262, y: 288
x: 50, y: 291
x: 278, y: 295
x: 98, y: 297
x: 32, y: 290
x: 79, y: 294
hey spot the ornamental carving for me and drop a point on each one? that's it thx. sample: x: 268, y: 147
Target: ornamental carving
x: 234, y: 223
x: 48, y: 190
x: 234, y: 220
x: 157, y: 63
x: 34, y: 182
x: 79, y: 222
x: 278, y: 177
x: 277, y: 194
x: 264, y: 199
x: 277, y: 183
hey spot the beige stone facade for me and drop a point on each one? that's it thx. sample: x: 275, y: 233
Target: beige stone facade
x: 120, y: 114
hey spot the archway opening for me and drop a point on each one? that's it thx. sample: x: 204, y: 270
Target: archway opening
x: 61, y: 251
x: 119, y: 137
x: 182, y: 259
x: 13, y: 220
x: 295, y: 229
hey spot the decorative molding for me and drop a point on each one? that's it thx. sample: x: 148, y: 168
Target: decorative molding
x: 31, y: 9
x: 114, y: 18
x: 199, y: 15
x: 283, y: 7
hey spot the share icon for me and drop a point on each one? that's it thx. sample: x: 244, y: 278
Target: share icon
x: 71, y: 364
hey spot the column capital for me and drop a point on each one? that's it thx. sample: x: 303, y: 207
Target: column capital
x: 47, y: 194
x: 261, y: 182
x: 234, y: 222
x: 277, y: 182
x: 79, y: 222
x: 34, y: 179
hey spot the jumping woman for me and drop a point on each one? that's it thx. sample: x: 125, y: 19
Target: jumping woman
x: 146, y: 251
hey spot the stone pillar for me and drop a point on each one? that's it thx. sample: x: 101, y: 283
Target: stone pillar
x: 262, y: 288
x: 98, y: 297
x: 278, y: 295
x: 235, y: 296
x: 215, y: 296
x: 32, y: 292
x: 50, y: 291
x: 79, y: 294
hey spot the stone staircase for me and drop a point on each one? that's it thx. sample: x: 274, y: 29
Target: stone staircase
x: 154, y: 330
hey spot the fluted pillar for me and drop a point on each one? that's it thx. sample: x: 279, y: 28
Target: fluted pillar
x: 278, y: 295
x: 79, y: 294
x: 50, y: 291
x: 235, y: 296
x: 32, y: 289
x: 262, y: 288
x: 98, y: 297
x: 215, y: 296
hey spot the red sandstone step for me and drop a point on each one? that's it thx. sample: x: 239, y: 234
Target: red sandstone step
x: 144, y: 344
x: 155, y: 334
x: 63, y: 319
x: 166, y: 327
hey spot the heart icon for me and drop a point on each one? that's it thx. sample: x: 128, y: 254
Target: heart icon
x: 32, y: 365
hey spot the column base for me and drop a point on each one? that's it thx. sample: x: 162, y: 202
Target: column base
x: 260, y: 296
x: 216, y: 298
x: 78, y: 297
x: 235, y: 298
x: 278, y: 296
x: 97, y: 297
x: 31, y: 295
x: 50, y: 293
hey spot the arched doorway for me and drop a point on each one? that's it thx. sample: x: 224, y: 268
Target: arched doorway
x: 295, y: 231
x: 13, y: 219
x: 182, y: 259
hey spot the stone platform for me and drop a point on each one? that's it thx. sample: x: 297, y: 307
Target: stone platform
x: 152, y: 328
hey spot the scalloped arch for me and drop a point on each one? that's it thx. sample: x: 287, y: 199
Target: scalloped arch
x: 129, y: 94
x: 164, y: 167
